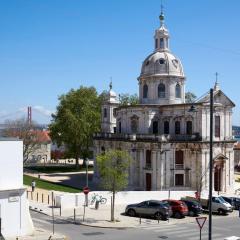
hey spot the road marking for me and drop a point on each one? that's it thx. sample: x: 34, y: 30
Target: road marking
x: 215, y: 236
x: 162, y: 228
x: 180, y: 231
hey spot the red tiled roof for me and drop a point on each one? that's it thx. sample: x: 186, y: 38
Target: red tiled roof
x: 43, y: 136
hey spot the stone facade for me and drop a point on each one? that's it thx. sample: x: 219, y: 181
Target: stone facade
x: 168, y: 143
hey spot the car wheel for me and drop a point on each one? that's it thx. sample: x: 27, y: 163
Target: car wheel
x: 178, y: 215
x: 221, y: 212
x: 191, y: 213
x: 158, y: 216
x: 131, y: 213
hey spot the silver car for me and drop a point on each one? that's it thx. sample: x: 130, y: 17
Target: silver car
x: 151, y: 208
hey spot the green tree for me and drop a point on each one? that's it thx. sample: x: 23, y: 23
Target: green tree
x: 127, y: 99
x: 113, y: 168
x: 76, y: 120
x: 190, y: 97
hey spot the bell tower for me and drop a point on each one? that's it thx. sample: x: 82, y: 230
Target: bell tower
x: 108, y: 120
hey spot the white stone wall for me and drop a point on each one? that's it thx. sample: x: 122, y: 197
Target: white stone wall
x: 14, y: 209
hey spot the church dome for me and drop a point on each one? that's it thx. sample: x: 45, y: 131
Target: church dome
x: 162, y: 63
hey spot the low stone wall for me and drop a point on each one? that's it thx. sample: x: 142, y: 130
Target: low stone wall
x: 66, y: 201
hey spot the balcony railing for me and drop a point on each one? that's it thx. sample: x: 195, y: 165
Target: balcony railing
x: 148, y: 137
x: 148, y: 166
x: 179, y: 166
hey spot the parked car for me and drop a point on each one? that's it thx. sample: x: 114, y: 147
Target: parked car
x: 219, y: 205
x: 194, y: 207
x: 179, y: 208
x: 234, y: 201
x: 151, y: 208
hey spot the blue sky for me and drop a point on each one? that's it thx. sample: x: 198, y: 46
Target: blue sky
x: 48, y: 47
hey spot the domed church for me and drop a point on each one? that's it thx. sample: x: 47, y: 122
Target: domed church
x: 168, y: 142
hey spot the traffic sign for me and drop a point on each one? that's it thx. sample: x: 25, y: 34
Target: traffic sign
x: 201, y: 221
x: 86, y: 190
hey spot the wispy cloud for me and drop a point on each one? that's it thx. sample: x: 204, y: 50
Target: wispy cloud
x: 42, y: 110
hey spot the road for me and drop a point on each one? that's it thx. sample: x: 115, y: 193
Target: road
x: 222, y: 227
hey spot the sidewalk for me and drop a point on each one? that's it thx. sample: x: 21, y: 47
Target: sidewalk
x: 40, y: 234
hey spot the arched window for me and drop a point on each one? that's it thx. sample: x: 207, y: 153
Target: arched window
x: 155, y: 127
x: 166, y: 127
x: 177, y: 127
x: 145, y: 91
x: 156, y: 43
x: 161, y: 43
x: 119, y: 127
x: 134, y: 124
x: 161, y: 90
x: 189, y: 128
x: 178, y: 91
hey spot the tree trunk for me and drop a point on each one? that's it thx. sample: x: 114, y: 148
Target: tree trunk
x: 77, y: 162
x: 113, y: 207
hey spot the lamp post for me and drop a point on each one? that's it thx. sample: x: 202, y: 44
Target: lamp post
x: 192, y: 109
x: 87, y: 163
x: 210, y: 166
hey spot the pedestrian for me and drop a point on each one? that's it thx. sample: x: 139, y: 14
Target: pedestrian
x: 33, y: 185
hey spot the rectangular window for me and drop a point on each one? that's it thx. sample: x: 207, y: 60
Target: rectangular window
x: 179, y: 162
x: 148, y: 159
x: 179, y: 179
x: 104, y: 112
x: 189, y: 128
x: 217, y: 126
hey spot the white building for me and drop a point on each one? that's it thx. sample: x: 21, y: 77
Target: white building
x: 168, y: 143
x: 14, y: 208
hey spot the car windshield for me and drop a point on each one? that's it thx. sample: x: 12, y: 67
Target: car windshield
x: 165, y: 204
x: 221, y: 200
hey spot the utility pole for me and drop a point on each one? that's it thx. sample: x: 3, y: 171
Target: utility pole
x: 210, y: 166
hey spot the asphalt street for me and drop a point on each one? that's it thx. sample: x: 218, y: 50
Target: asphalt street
x: 222, y: 227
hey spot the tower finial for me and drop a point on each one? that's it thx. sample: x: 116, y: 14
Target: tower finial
x: 216, y: 86
x: 161, y: 17
x: 110, y: 84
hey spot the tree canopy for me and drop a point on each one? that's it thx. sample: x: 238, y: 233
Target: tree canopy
x: 128, y: 99
x: 190, y: 97
x: 113, y: 168
x: 76, y: 120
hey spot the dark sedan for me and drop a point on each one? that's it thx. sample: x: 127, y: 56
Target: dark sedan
x: 234, y: 201
x: 151, y: 208
x: 194, y: 207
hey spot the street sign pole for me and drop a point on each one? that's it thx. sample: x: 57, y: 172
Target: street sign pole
x: 200, y: 222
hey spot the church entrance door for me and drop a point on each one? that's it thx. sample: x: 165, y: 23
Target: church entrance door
x: 217, y: 178
x: 148, y: 181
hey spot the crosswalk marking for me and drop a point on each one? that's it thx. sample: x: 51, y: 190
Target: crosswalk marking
x: 183, y: 231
